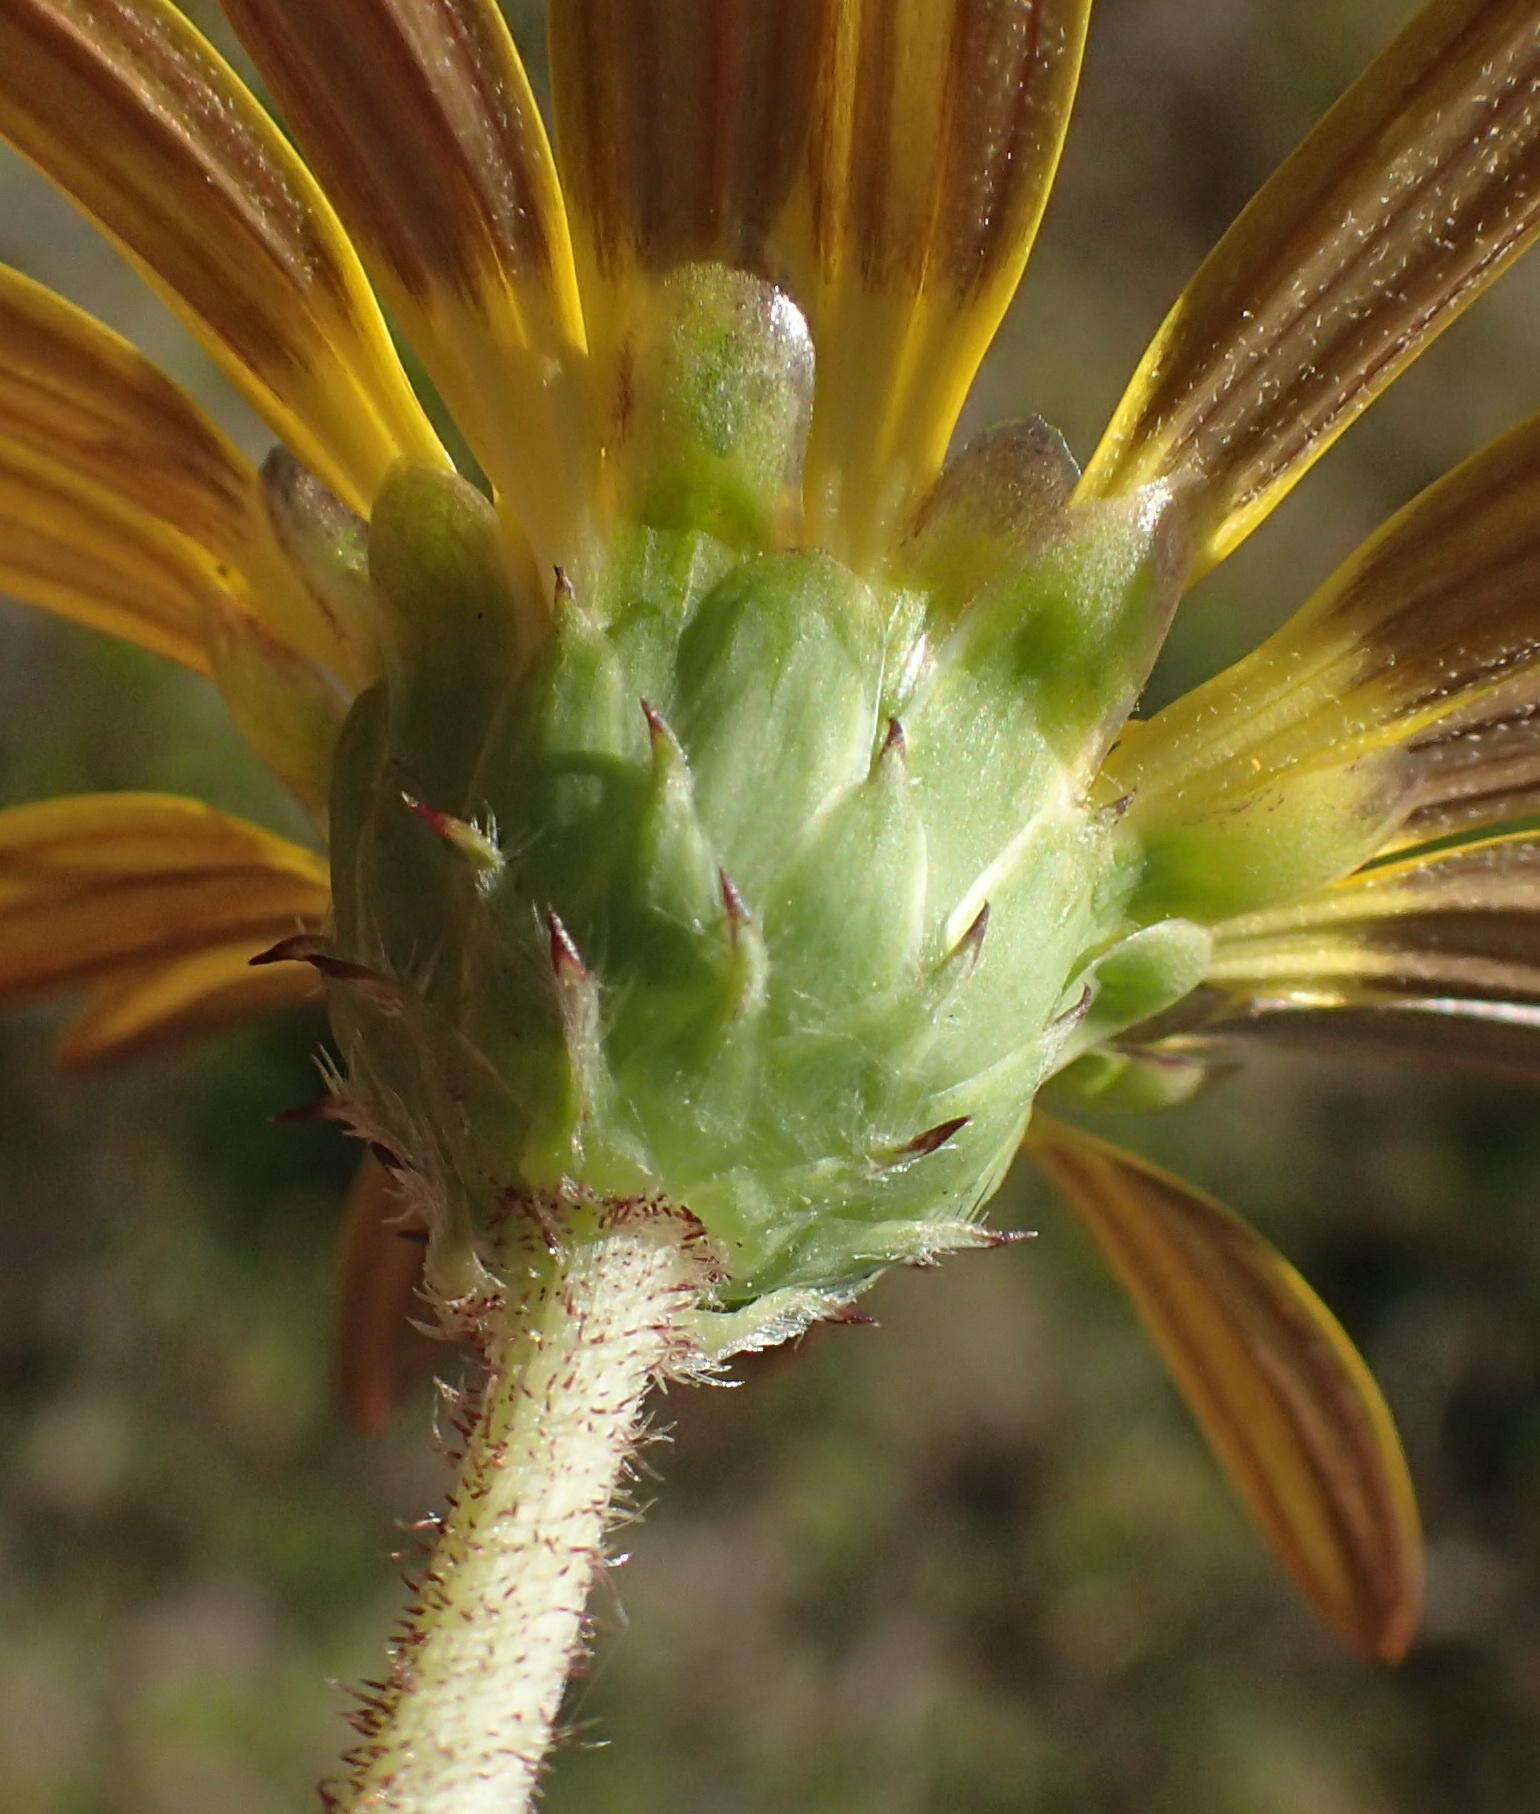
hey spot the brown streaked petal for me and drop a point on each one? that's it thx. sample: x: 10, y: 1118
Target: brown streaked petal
x: 73, y: 390
x: 1481, y: 769
x: 161, y: 1005
x: 100, y: 885
x: 886, y: 161
x: 419, y: 119
x: 141, y: 512
x: 379, y: 1297
x: 1493, y: 1039
x: 1278, y: 1389
x: 1420, y: 656
x: 71, y: 547
x: 126, y: 108
x: 1416, y: 190
x: 936, y: 134
x: 1436, y: 955
x: 681, y: 127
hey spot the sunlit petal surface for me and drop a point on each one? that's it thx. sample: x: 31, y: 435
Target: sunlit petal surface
x: 72, y: 389
x: 129, y: 510
x: 1411, y: 678
x: 936, y: 134
x: 1282, y: 1396
x: 136, y: 118
x: 123, y: 891
x: 155, y: 1005
x: 71, y: 547
x: 1414, y: 192
x: 888, y: 163
x: 417, y: 116
x: 682, y: 126
x: 1434, y: 956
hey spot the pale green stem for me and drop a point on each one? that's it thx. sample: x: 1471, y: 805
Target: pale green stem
x: 469, y: 1714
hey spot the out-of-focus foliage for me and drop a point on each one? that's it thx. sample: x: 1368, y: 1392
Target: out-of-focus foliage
x: 971, y: 1559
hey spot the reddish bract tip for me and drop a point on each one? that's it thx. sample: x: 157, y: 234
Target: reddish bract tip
x: 566, y: 960
x: 933, y: 1137
x: 442, y: 823
x: 737, y: 913
x: 297, y: 948
x: 972, y: 941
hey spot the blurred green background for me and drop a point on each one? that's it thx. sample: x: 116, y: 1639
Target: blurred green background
x: 972, y: 1559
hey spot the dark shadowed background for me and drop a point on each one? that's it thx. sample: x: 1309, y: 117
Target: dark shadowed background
x: 973, y: 1559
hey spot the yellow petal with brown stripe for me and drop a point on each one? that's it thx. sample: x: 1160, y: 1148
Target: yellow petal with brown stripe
x: 136, y: 118
x: 418, y: 117
x: 1287, y: 1404
x: 1410, y: 680
x: 100, y: 886
x: 1415, y: 191
x: 73, y: 548
x: 682, y: 126
x: 1434, y: 957
x: 72, y: 389
x: 160, y: 496
x: 936, y: 134
x: 161, y: 1005
x: 886, y: 161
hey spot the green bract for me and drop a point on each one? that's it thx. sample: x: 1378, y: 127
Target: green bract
x: 757, y: 885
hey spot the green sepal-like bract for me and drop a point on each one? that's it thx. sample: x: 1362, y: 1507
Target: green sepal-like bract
x: 754, y: 883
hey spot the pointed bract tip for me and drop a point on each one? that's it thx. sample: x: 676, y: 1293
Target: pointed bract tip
x: 660, y: 733
x: 1077, y: 1010
x: 562, y: 592
x: 972, y: 941
x: 465, y: 839
x: 732, y: 902
x: 933, y: 1137
x: 307, y: 948
x: 297, y: 948
x: 566, y: 959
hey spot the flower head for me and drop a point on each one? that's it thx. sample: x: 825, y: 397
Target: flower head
x: 732, y: 796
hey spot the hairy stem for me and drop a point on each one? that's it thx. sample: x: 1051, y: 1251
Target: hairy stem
x: 464, y: 1722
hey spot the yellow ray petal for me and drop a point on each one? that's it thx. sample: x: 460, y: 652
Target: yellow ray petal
x: 1280, y: 1393
x: 160, y: 1005
x: 73, y: 548
x: 1490, y: 1039
x: 418, y: 117
x: 1481, y: 769
x: 137, y: 119
x: 1415, y: 191
x: 73, y: 390
x: 153, y: 486
x: 1436, y: 956
x: 102, y: 884
x: 681, y: 125
x: 936, y: 134
x: 1411, y: 678
x: 887, y: 161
